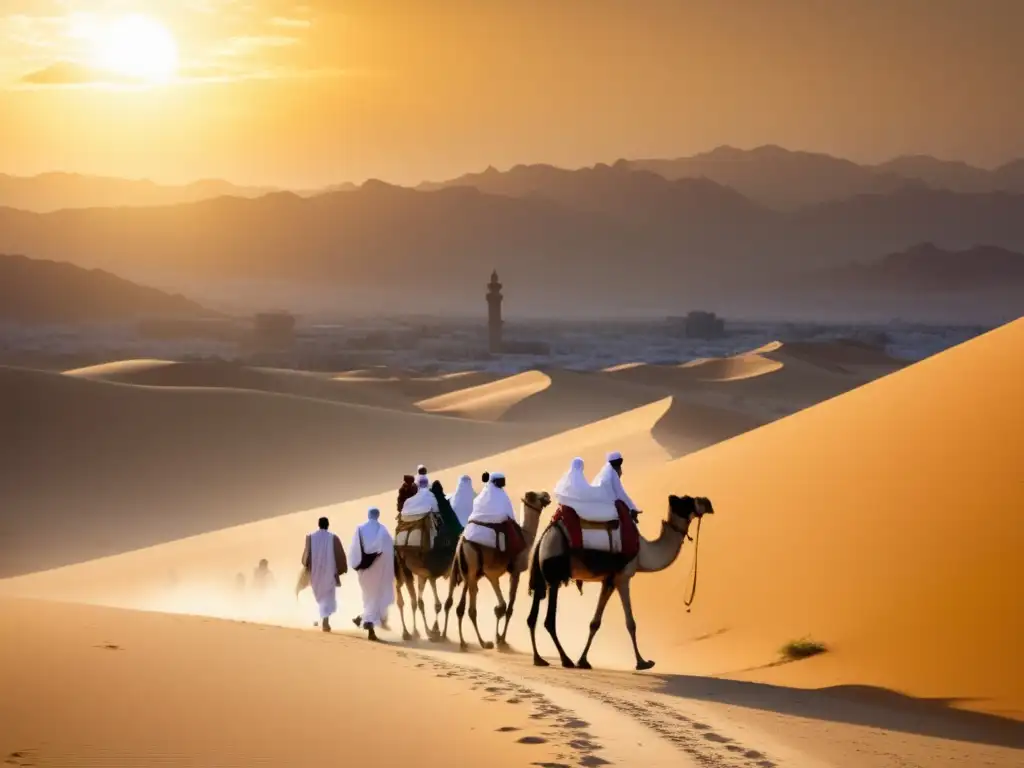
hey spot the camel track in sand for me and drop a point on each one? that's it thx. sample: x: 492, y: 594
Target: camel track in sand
x: 577, y: 740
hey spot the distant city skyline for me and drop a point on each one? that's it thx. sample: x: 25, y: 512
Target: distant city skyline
x: 306, y: 94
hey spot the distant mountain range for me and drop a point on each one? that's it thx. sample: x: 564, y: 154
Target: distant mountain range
x: 54, y: 191
x: 602, y: 237
x: 774, y: 177
x: 927, y: 268
x: 770, y: 176
x: 39, y: 291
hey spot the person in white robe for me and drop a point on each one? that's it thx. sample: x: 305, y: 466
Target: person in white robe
x: 324, y: 560
x: 462, y: 499
x: 610, y: 479
x: 593, y: 503
x: 491, y: 506
x: 373, y: 556
x: 423, y: 503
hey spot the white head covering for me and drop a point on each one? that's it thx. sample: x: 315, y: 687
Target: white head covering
x: 493, y: 504
x: 573, y: 489
x: 422, y: 482
x: 422, y: 503
x: 421, y: 470
x: 462, y: 499
x: 370, y: 537
x: 614, y: 456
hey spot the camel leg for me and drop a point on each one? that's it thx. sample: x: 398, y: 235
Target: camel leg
x: 421, y: 589
x: 500, y: 610
x: 410, y: 585
x: 549, y: 623
x: 448, y: 607
x: 513, y: 588
x: 400, y: 578
x: 474, y: 590
x: 460, y: 612
x: 531, y: 622
x: 627, y: 608
x: 437, y: 608
x: 607, y: 587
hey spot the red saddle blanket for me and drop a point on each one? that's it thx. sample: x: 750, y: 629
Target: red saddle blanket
x: 629, y: 532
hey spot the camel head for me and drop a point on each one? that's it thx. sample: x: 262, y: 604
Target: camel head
x: 537, y: 501
x: 683, y: 510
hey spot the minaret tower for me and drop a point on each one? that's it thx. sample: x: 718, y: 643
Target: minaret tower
x: 494, y: 314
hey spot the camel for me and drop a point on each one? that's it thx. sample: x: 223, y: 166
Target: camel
x: 414, y: 568
x: 553, y: 566
x: 473, y: 561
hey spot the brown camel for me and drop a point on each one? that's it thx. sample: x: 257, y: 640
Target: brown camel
x: 414, y: 568
x: 473, y: 561
x: 553, y: 566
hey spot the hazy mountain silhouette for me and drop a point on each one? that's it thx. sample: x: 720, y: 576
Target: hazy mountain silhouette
x: 39, y: 291
x: 770, y: 176
x: 588, y: 235
x: 926, y: 267
x: 54, y: 191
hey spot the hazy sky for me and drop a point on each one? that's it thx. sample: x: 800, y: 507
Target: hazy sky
x: 280, y: 92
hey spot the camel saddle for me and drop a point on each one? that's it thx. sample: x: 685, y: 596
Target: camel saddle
x: 509, y: 532
x: 622, y: 531
x: 423, y: 528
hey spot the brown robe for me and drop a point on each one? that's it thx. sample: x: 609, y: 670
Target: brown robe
x: 340, y: 562
x: 406, y: 490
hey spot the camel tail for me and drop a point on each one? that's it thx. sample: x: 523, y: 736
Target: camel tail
x: 537, y: 582
x: 459, y: 566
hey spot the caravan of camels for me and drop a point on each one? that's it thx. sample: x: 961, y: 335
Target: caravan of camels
x: 463, y: 537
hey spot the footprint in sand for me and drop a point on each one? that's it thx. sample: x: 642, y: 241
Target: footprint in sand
x: 716, y: 738
x: 533, y: 740
x: 507, y: 729
x: 592, y: 761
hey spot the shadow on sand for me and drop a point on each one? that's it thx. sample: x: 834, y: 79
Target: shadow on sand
x: 854, y: 705
x: 866, y: 706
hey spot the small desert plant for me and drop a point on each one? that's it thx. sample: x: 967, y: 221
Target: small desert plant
x: 802, y: 649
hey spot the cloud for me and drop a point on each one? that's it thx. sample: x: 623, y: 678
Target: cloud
x: 290, y: 23
x: 65, y: 73
x: 244, y: 45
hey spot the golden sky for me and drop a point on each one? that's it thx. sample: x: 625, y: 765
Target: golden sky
x: 310, y: 93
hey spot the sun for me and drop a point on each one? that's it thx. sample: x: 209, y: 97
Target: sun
x: 136, y: 47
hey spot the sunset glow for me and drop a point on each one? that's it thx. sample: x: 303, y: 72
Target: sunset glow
x: 137, y: 47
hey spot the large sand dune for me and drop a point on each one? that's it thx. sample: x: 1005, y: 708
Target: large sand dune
x: 224, y: 375
x: 773, y: 380
x: 886, y: 523
x: 116, y: 466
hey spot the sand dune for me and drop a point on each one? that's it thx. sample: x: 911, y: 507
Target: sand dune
x: 557, y: 398
x: 773, y: 380
x: 133, y: 689
x: 885, y: 523
x: 139, y: 578
x: 490, y: 401
x: 224, y: 375
x: 117, y: 466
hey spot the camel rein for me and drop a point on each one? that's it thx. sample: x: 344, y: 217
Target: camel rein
x: 696, y: 544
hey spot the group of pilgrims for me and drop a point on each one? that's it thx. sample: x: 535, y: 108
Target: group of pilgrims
x: 474, y: 516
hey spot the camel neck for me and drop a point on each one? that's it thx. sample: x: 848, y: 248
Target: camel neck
x: 659, y: 554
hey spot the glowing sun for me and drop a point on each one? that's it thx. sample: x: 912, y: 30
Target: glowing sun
x: 137, y: 47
